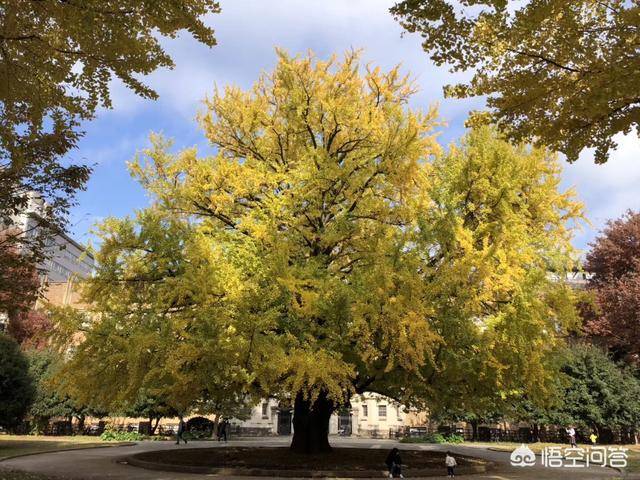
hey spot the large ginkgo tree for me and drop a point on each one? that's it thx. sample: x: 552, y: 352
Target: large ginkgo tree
x: 328, y: 248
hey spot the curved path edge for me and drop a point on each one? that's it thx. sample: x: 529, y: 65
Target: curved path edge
x: 69, y: 449
x: 105, y: 463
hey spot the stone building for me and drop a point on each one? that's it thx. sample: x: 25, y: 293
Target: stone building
x: 374, y: 415
x: 370, y: 415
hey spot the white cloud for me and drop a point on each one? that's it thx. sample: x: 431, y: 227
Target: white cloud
x: 121, y: 150
x: 248, y: 31
x: 610, y: 189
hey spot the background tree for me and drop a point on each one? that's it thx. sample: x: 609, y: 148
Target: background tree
x: 225, y: 403
x: 537, y: 415
x: 614, y: 262
x: 50, y: 401
x: 599, y: 395
x: 328, y: 249
x: 30, y: 329
x: 19, y: 281
x: 57, y: 59
x: 560, y: 73
x: 151, y: 407
x: 473, y: 418
x: 16, y: 387
x: 592, y: 392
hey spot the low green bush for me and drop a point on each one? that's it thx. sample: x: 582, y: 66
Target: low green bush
x: 116, y: 436
x: 434, y: 438
x: 453, y: 438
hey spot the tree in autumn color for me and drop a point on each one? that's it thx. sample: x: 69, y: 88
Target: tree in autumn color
x: 614, y: 262
x: 48, y: 401
x: 30, y: 328
x: 563, y: 73
x: 152, y: 408
x: 329, y: 248
x: 19, y: 282
x: 19, y: 289
x: 57, y: 60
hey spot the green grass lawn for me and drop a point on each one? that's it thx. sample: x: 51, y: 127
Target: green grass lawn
x: 13, y: 475
x: 12, y: 445
x: 634, y: 458
x: 509, y: 446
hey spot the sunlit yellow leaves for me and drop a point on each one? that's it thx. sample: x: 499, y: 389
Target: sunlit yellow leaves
x: 554, y: 72
x: 497, y: 227
x: 313, y: 371
x: 329, y: 247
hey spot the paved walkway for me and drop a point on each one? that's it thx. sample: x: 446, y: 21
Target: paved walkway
x: 103, y: 463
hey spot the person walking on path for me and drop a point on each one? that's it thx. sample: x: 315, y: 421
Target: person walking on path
x: 593, y: 437
x: 572, y: 436
x: 180, y: 434
x: 394, y: 463
x: 450, y: 463
x: 223, y: 430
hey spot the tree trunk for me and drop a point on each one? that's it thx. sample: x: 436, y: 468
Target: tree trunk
x: 41, y: 424
x: 152, y: 427
x: 474, y: 430
x: 311, y: 424
x: 536, y: 432
x: 80, y: 426
x: 216, y: 424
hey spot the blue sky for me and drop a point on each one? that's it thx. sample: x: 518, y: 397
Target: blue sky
x: 248, y: 32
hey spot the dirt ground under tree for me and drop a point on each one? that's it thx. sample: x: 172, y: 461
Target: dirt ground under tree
x: 350, y: 459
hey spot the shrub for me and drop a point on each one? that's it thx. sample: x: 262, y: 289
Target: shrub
x: 434, y: 438
x: 111, y: 435
x: 453, y: 438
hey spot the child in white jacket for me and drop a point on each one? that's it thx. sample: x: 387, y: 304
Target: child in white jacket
x: 450, y: 462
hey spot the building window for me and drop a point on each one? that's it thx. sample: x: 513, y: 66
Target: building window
x: 382, y: 411
x: 365, y: 411
x: 246, y: 411
x: 398, y: 414
x: 265, y: 410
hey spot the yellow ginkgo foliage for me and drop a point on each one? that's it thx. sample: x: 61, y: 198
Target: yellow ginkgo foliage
x: 329, y: 248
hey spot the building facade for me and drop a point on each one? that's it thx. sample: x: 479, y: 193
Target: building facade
x: 66, y: 258
x: 370, y: 415
x: 67, y: 261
